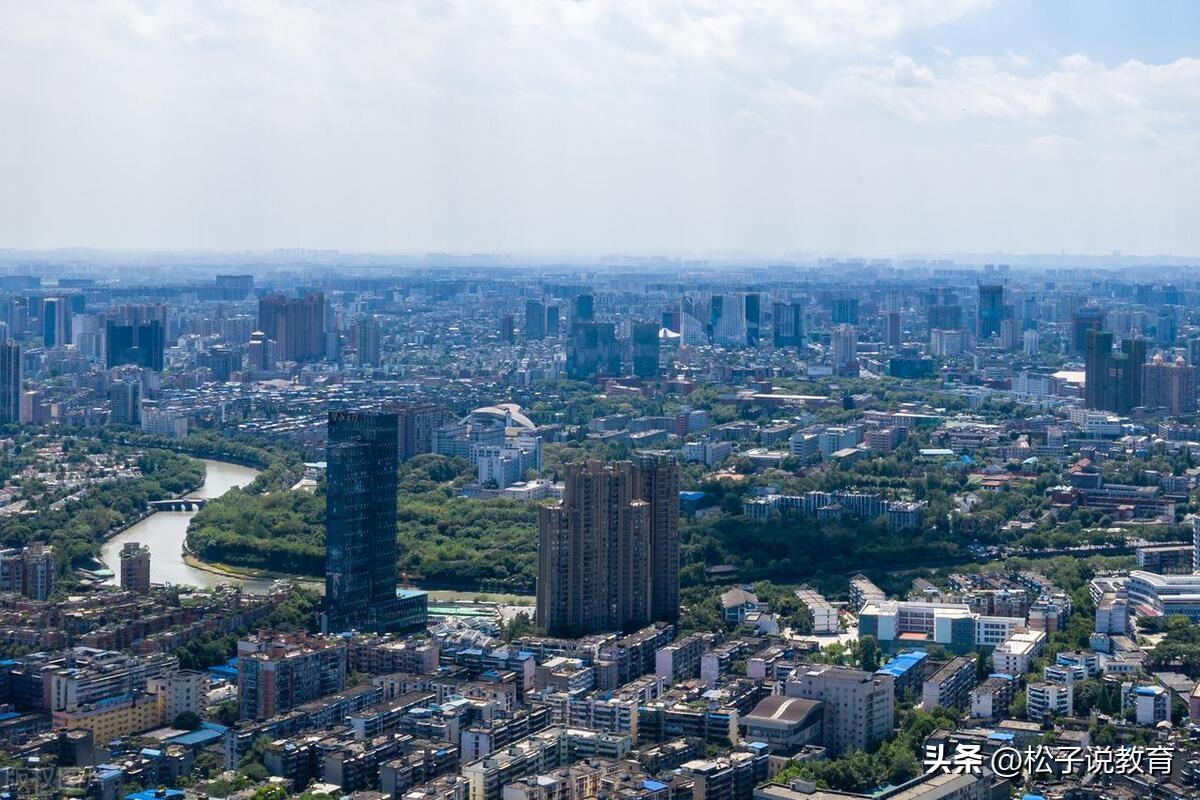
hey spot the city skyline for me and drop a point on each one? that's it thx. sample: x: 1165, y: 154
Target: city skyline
x: 764, y: 128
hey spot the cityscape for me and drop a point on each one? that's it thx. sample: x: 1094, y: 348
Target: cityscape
x: 600, y: 401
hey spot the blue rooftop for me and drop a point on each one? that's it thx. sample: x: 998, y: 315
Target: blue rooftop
x: 199, y: 737
x: 691, y: 495
x: 902, y: 663
x: 406, y: 593
x: 156, y: 794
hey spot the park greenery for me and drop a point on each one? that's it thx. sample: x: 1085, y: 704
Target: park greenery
x: 76, y: 525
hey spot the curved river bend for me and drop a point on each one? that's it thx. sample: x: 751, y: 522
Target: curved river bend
x: 164, y: 533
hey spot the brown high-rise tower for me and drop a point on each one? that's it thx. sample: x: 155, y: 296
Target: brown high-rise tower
x: 608, y: 555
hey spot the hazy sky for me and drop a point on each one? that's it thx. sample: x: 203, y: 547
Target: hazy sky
x: 601, y: 126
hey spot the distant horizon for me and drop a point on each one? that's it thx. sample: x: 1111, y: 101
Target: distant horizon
x: 716, y: 259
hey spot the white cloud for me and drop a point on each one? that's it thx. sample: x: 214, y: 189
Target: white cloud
x: 542, y: 124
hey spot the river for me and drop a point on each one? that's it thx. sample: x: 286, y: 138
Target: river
x: 164, y: 533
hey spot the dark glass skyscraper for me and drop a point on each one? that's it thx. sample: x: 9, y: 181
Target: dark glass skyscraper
x: 991, y: 310
x: 141, y: 344
x: 1113, y: 380
x: 644, y: 345
x: 787, y: 321
x: 360, y: 522
x: 10, y: 382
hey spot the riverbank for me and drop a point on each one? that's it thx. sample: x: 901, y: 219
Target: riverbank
x: 244, y: 574
x: 165, y: 533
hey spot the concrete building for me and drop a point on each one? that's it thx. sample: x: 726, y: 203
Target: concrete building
x: 278, y: 673
x: 784, y: 724
x: 824, y: 615
x: 135, y: 568
x: 950, y: 686
x: 1015, y: 654
x: 1044, y: 700
x: 857, y: 707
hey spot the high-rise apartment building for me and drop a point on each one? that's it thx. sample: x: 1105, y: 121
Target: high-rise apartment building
x: 125, y: 400
x: 657, y: 476
x: 10, y: 382
x: 277, y: 672
x: 416, y: 424
x: 135, y: 568
x: 360, y: 522
x: 594, y: 553
x: 367, y: 338
x: 608, y: 554
x: 843, y: 344
x: 296, y: 325
x: 1171, y: 386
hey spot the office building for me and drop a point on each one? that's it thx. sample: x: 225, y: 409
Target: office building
x: 1153, y: 595
x: 1169, y: 386
x: 593, y: 351
x: 295, y: 324
x: 583, y: 308
x: 991, y: 310
x: 787, y: 324
x: 56, y: 322
x: 535, y: 320
x: 645, y: 345
x: 730, y: 321
x: 945, y: 317
x: 360, y: 522
x: 1084, y: 321
x: 10, y: 383
x: 140, y: 344
x: 1113, y: 380
x: 844, y: 311
x: 135, y: 568
x: 917, y: 624
x: 222, y: 360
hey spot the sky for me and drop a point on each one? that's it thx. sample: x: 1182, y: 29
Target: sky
x: 602, y: 126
